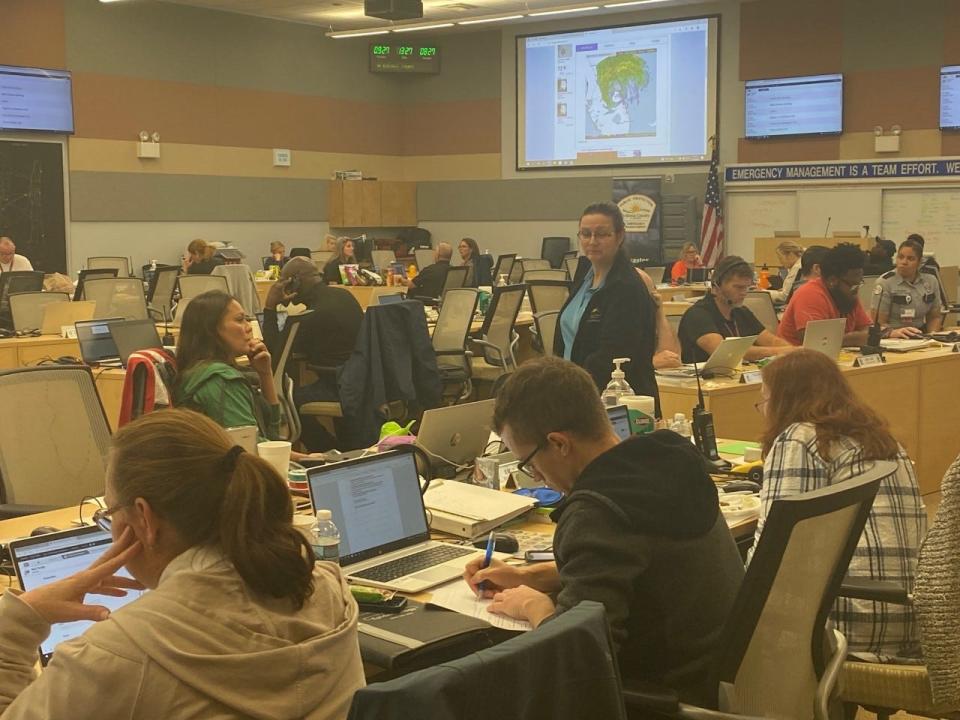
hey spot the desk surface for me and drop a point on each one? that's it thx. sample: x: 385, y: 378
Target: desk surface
x: 908, y: 391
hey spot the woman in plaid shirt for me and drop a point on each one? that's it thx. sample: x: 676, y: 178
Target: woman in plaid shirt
x: 819, y: 433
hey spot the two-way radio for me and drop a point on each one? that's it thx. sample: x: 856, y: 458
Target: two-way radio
x: 875, y: 332
x: 704, y: 434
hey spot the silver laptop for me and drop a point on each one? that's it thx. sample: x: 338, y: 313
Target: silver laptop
x: 96, y: 342
x: 825, y: 336
x: 457, y: 434
x: 724, y: 360
x: 47, y: 558
x: 619, y: 417
x: 132, y: 335
x: 384, y: 537
x: 56, y: 315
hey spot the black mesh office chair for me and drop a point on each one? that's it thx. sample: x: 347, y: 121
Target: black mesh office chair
x: 19, y: 281
x: 553, y: 249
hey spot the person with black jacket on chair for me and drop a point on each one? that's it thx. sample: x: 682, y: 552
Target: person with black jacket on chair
x: 610, y: 313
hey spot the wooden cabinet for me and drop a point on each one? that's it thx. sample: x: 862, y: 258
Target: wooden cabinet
x: 372, y: 203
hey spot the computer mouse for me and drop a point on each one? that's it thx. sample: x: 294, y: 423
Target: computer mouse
x: 741, y: 486
x: 43, y: 530
x: 502, y: 543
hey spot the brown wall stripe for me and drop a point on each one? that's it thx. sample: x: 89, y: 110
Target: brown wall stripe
x: 32, y: 33
x: 789, y: 149
x: 907, y: 97
x: 780, y: 39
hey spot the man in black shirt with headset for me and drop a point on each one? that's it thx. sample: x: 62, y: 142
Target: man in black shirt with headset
x: 721, y: 314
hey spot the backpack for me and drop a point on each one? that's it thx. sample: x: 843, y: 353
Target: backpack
x: 148, y: 385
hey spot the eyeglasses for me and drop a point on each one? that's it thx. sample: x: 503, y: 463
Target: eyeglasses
x: 598, y: 234
x: 102, y: 519
x: 522, y: 466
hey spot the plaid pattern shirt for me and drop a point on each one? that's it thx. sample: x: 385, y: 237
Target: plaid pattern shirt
x: 886, y: 551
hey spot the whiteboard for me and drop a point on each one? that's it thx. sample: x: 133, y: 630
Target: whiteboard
x: 757, y: 214
x: 846, y: 208
x: 935, y: 214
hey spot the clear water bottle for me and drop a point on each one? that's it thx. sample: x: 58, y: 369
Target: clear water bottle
x: 326, y: 537
x: 618, y: 385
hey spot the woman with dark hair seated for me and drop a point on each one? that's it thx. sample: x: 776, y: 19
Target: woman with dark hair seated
x: 818, y: 433
x: 240, y: 620
x: 214, y: 332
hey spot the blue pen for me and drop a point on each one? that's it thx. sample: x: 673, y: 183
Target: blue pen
x: 487, y: 557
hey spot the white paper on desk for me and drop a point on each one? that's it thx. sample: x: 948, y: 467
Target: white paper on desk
x: 458, y: 596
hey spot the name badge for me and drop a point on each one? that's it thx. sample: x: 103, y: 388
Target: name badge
x: 752, y: 376
x: 867, y: 361
x: 908, y: 313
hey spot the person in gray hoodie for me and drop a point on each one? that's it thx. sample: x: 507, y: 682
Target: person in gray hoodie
x: 640, y: 530
x: 239, y: 620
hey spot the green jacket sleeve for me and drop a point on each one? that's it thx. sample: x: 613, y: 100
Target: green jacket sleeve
x: 230, y: 402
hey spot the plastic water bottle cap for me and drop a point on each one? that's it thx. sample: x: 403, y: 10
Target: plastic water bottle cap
x: 324, y: 515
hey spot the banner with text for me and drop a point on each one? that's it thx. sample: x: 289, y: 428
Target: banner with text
x: 840, y: 171
x: 639, y: 201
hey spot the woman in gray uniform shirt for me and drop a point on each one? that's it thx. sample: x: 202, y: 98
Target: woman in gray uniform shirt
x: 908, y: 300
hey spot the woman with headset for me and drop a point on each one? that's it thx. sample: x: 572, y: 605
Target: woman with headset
x: 610, y: 313
x: 721, y: 314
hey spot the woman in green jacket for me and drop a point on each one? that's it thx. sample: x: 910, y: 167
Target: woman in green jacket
x: 213, y: 334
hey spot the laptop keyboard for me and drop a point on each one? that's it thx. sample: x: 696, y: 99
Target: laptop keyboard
x: 410, y: 564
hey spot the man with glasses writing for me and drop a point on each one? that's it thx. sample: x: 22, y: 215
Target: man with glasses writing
x: 832, y: 295
x: 639, y: 530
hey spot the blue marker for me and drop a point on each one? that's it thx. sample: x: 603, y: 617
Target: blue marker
x: 487, y: 557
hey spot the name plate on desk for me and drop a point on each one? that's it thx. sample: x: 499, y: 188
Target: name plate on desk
x: 867, y: 361
x: 751, y: 376
x: 68, y: 331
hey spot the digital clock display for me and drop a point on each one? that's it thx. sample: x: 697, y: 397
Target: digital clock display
x: 400, y: 58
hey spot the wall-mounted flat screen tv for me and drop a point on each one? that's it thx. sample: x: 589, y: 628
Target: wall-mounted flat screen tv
x: 809, y: 105
x: 35, y: 100
x: 950, y: 97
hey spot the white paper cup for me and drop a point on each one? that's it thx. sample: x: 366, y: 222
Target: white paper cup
x: 277, y: 453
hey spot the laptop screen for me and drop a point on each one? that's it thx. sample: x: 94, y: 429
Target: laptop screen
x: 375, y: 502
x: 620, y: 419
x: 133, y: 335
x: 96, y: 340
x: 47, y: 558
x: 391, y: 298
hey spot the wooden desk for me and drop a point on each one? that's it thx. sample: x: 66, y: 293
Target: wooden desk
x: 913, y: 391
x: 694, y: 290
x: 673, y: 308
x: 26, y: 351
x: 263, y: 287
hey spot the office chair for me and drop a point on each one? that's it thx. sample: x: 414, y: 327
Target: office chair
x: 776, y: 657
x: 300, y: 252
x: 456, y: 278
x: 163, y: 284
x: 933, y: 688
x: 117, y: 297
x: 449, y: 341
x: 866, y: 291
x: 120, y: 264
x: 497, y: 337
x: 193, y: 285
x: 553, y: 250
x: 382, y: 259
x: 546, y: 295
x: 375, y: 385
x: 482, y: 271
x: 528, y: 264
x: 656, y: 273
x: 546, y: 324
x: 91, y: 275
x: 240, y: 284
x: 565, y: 670
x: 321, y: 257
x: 760, y: 304
x: 550, y: 274
x: 13, y: 282
x: 289, y: 418
x: 424, y: 257
x: 504, y: 266
x: 26, y: 308
x: 56, y: 453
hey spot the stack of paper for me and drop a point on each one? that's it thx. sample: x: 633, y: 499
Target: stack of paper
x: 470, y: 510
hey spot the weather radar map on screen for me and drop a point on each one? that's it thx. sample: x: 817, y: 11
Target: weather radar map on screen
x: 617, y: 95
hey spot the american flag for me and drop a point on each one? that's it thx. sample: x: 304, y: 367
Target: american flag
x: 711, y: 232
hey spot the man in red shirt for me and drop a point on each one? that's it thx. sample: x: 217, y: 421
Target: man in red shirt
x: 832, y: 295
